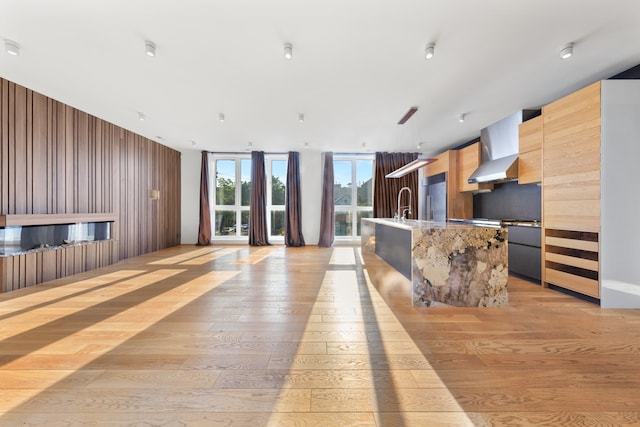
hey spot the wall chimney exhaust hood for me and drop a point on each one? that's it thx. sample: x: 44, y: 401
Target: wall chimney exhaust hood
x: 409, y: 167
x: 499, y: 143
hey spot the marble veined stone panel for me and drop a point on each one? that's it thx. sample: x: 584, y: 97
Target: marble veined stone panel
x: 460, y: 267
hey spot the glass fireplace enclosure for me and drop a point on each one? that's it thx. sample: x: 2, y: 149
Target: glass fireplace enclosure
x: 15, y: 240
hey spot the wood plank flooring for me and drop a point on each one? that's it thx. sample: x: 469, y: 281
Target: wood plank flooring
x: 274, y: 336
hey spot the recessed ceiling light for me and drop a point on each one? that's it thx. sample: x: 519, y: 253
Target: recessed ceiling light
x: 221, y: 117
x: 461, y: 118
x: 193, y: 143
x: 288, y: 51
x: 12, y: 47
x: 301, y: 117
x: 428, y: 52
x: 150, y: 48
x: 419, y: 144
x: 567, y: 51
x: 141, y: 116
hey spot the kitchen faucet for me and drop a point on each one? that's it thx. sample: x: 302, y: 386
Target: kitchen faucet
x: 400, y: 215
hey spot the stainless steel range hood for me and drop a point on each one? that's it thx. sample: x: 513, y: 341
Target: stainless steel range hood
x: 503, y: 169
x: 499, y: 143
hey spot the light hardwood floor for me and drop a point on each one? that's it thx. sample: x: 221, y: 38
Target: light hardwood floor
x: 274, y: 336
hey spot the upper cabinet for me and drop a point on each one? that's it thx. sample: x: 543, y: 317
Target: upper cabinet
x: 530, y: 151
x: 459, y: 205
x: 469, y: 159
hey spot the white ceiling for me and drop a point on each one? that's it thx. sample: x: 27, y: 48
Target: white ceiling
x: 357, y: 67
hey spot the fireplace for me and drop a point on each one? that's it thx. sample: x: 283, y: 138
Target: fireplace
x: 40, y: 247
x: 15, y: 240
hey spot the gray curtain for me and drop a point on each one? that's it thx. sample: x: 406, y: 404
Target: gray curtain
x: 385, y: 193
x: 258, y: 233
x: 292, y: 205
x: 204, y: 227
x: 327, y: 216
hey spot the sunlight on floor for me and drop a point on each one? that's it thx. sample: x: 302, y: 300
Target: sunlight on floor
x: 91, y: 341
x: 375, y: 366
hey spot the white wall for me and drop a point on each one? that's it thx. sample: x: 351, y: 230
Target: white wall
x: 310, y: 193
x: 620, y: 204
x: 190, y: 188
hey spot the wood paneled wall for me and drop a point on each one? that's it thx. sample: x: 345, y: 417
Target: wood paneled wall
x: 57, y: 159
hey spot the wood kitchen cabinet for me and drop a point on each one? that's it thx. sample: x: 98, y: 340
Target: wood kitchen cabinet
x: 571, y: 191
x: 459, y: 205
x: 469, y: 159
x: 530, y: 151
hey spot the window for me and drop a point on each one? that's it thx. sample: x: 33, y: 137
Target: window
x: 232, y: 195
x: 352, y: 201
x: 276, y: 171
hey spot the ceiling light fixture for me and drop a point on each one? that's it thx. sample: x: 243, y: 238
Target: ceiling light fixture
x: 150, y: 48
x: 193, y: 143
x: 419, y: 145
x: 428, y: 52
x: 250, y: 146
x: 12, y: 47
x: 306, y: 145
x: 141, y: 116
x: 301, y: 118
x: 288, y: 51
x: 461, y: 118
x: 567, y: 51
x: 221, y: 117
x: 408, y: 115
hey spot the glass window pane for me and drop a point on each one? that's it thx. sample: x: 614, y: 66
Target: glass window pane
x: 226, y: 182
x: 278, y: 181
x: 342, y: 175
x: 277, y: 223
x: 363, y: 214
x: 245, y: 178
x: 225, y: 223
x: 364, y: 178
x: 343, y: 223
x: 244, y: 223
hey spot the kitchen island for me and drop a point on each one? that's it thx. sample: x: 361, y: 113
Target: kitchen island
x: 448, y: 263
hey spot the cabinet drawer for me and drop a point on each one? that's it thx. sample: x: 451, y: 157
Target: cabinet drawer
x: 525, y: 260
x: 525, y: 235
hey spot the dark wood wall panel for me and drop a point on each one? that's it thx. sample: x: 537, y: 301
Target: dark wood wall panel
x: 57, y: 159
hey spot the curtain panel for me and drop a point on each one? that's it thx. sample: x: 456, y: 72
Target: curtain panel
x: 385, y: 190
x: 258, y: 232
x: 293, y: 205
x: 327, y: 214
x: 204, y: 227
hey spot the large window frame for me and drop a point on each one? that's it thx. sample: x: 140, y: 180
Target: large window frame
x: 238, y: 231
x: 352, y: 212
x: 275, y: 210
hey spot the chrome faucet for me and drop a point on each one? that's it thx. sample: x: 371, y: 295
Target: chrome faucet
x: 400, y: 214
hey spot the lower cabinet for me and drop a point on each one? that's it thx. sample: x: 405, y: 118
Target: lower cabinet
x: 525, y: 251
x: 572, y: 260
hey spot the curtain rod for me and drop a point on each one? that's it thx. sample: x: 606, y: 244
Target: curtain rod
x: 244, y: 152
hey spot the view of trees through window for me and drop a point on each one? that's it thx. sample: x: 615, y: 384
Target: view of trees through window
x: 232, y: 195
x: 352, y: 202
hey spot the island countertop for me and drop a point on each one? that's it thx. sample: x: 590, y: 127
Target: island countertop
x: 410, y: 224
x: 448, y: 263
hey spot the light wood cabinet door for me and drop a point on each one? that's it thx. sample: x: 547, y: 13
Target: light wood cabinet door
x: 530, y: 151
x: 530, y: 167
x: 571, y: 161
